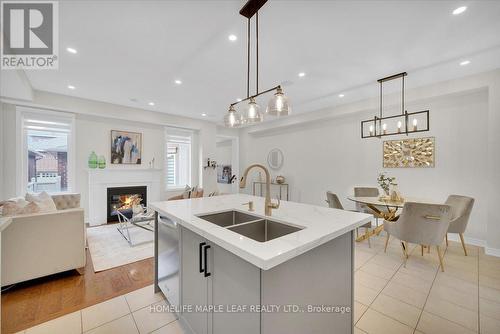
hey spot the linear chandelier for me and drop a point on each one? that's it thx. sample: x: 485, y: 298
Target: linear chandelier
x: 380, y: 126
x: 278, y: 105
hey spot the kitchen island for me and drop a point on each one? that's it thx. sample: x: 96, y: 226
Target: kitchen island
x: 229, y: 270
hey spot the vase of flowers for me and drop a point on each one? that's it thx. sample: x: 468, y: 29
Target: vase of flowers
x: 385, y: 182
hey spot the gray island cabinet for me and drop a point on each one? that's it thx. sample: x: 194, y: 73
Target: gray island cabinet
x: 231, y: 281
x: 298, y: 279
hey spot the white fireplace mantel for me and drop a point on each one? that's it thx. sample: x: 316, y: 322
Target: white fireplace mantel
x: 99, y: 180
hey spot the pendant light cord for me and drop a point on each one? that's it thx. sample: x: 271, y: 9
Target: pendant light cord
x: 381, y: 100
x: 248, y: 59
x: 257, y: 53
x: 381, y: 112
x: 403, y: 96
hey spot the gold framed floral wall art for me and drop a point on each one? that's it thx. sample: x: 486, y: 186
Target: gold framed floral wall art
x: 409, y: 153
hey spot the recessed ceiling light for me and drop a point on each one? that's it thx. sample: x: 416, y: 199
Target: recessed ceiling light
x: 341, y: 95
x: 302, y: 74
x: 232, y: 38
x: 204, y: 115
x: 71, y: 87
x: 178, y: 82
x: 151, y: 103
x: 239, y: 100
x: 465, y: 62
x: 71, y: 50
x: 459, y: 10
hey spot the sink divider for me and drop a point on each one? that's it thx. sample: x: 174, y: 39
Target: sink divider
x: 245, y: 223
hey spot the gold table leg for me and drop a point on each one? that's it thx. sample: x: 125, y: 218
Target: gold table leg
x: 389, y: 215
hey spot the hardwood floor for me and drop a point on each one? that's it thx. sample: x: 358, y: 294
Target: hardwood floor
x: 30, y: 303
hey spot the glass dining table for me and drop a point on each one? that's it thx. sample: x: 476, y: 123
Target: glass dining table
x: 386, y: 209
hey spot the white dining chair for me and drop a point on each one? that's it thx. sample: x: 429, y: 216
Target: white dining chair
x: 461, y: 208
x: 365, y: 192
x: 420, y: 223
x: 334, y: 202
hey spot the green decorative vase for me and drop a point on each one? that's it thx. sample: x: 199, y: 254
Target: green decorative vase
x: 93, y: 160
x: 102, y: 162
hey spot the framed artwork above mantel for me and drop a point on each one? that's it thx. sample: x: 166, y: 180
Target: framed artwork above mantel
x: 409, y: 153
x: 126, y: 147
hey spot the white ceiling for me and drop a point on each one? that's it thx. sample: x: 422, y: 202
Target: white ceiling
x: 136, y: 49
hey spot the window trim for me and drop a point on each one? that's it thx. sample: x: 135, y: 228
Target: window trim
x: 166, y: 171
x: 169, y: 133
x: 22, y: 147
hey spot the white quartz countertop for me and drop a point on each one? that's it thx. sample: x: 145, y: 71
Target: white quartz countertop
x: 320, y: 225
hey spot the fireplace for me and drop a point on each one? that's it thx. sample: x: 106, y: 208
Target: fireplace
x: 119, y: 199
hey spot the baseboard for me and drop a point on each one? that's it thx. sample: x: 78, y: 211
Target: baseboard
x: 468, y: 240
x: 475, y: 242
x: 492, y: 251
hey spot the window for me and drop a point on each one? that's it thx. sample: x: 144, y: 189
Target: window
x: 47, y: 157
x: 178, y: 160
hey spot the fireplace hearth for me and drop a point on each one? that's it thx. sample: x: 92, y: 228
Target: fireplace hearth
x: 119, y: 199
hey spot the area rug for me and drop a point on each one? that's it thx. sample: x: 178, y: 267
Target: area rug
x: 109, y: 249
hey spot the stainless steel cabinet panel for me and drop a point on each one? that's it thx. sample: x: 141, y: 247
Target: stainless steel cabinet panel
x: 168, y: 259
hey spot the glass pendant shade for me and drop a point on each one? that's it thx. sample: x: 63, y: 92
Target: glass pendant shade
x: 232, y: 118
x: 253, y: 114
x: 278, y: 105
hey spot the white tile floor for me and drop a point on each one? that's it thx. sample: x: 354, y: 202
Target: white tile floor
x: 420, y: 298
x: 389, y: 298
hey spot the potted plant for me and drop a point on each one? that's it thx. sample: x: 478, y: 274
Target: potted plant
x: 385, y: 182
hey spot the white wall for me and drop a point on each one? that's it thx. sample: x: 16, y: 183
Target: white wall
x: 94, y: 133
x: 94, y: 121
x: 8, y: 133
x: 493, y: 154
x: 317, y: 157
x: 330, y: 155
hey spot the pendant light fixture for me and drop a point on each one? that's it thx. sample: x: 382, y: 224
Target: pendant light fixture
x: 232, y: 118
x: 404, y: 123
x: 253, y: 114
x: 278, y: 105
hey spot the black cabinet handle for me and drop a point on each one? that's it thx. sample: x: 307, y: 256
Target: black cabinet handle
x: 206, y: 261
x: 201, y: 256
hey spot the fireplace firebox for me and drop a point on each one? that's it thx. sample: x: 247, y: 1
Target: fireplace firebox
x: 119, y: 199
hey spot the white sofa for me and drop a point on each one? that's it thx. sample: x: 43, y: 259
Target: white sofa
x: 41, y: 244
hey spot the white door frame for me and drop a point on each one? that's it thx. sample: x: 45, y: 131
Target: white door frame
x: 235, y: 160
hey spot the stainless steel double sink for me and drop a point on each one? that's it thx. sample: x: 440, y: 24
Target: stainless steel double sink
x: 253, y: 227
